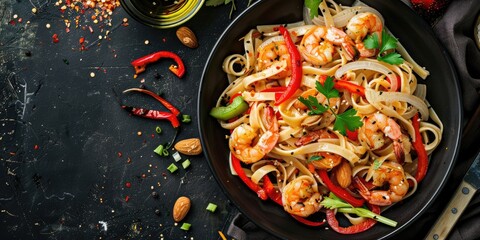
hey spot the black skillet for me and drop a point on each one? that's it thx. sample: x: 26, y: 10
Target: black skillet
x: 443, y: 94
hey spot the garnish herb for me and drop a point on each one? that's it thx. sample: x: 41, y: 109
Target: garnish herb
x: 312, y: 5
x: 186, y: 118
x: 158, y: 129
x: 346, y: 120
x: 162, y: 151
x: 333, y: 202
x: 389, y: 42
x: 376, y: 164
x: 314, y: 158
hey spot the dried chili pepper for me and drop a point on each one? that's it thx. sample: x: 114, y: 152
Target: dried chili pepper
x: 296, y: 64
x: 250, y: 184
x: 140, y: 64
x: 339, y: 191
x: 153, y: 114
x: 422, y: 155
x: 163, y: 101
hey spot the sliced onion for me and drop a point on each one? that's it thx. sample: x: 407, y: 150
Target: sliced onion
x: 342, y: 18
x: 270, y: 40
x: 389, y: 97
x: 370, y: 65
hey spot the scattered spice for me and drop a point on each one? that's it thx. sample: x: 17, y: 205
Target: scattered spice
x: 48, y: 25
x: 127, y: 198
x: 28, y: 53
x: 34, y: 10
x: 65, y: 61
x: 119, y: 154
x: 155, y: 195
x: 128, y: 185
x: 157, y: 212
x: 36, y: 147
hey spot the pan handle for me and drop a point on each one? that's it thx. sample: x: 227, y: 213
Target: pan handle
x: 452, y: 212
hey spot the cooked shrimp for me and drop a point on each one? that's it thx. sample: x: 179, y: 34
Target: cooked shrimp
x: 317, y: 46
x: 271, y: 53
x: 392, y: 173
x: 360, y: 26
x: 300, y: 198
x: 325, y: 160
x: 243, y: 137
x: 377, y: 126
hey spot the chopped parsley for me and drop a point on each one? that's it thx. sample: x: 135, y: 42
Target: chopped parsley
x: 312, y: 5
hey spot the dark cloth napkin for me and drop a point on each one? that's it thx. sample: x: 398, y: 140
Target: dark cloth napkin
x: 455, y: 30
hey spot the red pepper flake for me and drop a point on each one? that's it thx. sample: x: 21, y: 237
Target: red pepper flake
x: 119, y: 154
x: 164, y: 39
x: 55, y: 38
x: 12, y: 22
x: 81, y: 40
x: 127, y: 198
x: 129, y: 160
x: 143, y: 175
x: 36, y: 147
x: 128, y: 185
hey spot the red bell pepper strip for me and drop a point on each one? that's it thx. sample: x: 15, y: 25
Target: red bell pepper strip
x: 422, y: 164
x: 271, y: 191
x: 345, y: 85
x: 250, y: 184
x: 361, y: 227
x: 163, y: 101
x: 339, y: 191
x: 277, y: 90
x: 140, y: 64
x: 296, y: 64
x: 351, y: 87
x: 153, y: 114
x: 277, y: 197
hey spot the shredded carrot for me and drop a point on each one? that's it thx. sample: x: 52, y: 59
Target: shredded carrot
x: 221, y: 235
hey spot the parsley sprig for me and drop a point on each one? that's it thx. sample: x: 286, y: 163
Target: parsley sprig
x: 346, y: 120
x: 388, y: 43
x: 215, y: 3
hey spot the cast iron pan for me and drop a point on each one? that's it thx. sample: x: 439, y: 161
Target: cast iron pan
x: 443, y: 94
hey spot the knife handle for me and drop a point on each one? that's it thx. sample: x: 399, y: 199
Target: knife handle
x: 452, y: 212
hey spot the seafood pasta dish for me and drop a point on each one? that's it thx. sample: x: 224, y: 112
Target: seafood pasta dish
x: 327, y: 118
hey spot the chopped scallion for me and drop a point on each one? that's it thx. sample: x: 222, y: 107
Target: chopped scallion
x: 185, y: 164
x: 172, y: 168
x: 159, y: 150
x: 176, y: 156
x: 186, y: 118
x: 158, y: 129
x: 186, y: 226
x: 211, y: 207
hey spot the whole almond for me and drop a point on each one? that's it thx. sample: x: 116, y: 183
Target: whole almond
x: 181, y: 208
x: 187, y: 37
x: 190, y: 146
x: 343, y: 173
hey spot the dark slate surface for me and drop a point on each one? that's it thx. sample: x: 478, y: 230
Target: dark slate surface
x: 73, y: 183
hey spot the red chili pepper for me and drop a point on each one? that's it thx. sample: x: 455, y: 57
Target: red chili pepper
x: 141, y: 63
x: 153, y: 114
x: 296, y: 63
x: 339, y: 191
x: 360, y: 184
x: 163, y: 101
x: 422, y: 164
x: 250, y: 184
x: 277, y: 197
x: 361, y: 227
